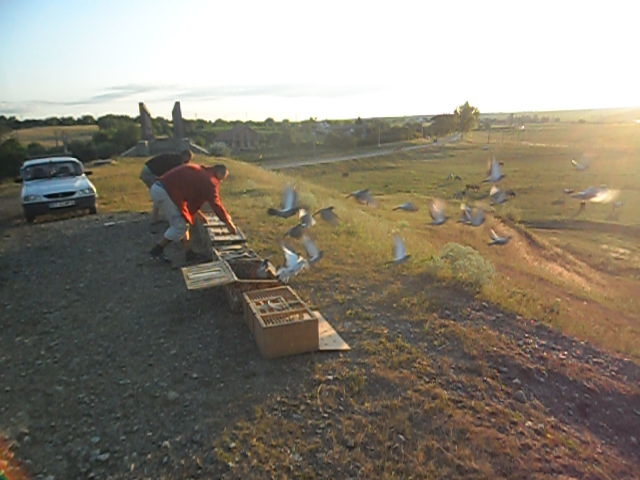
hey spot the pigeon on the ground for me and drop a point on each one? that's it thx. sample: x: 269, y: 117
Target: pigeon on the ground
x: 437, y: 208
x: 364, y: 197
x: 328, y: 215
x: 289, y: 204
x: 495, y: 171
x: 313, y: 252
x: 500, y: 196
x: 407, y: 207
x: 452, y: 176
x: 497, y: 239
x: 399, y: 250
x: 293, y: 264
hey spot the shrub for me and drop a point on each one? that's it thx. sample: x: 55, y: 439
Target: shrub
x: 12, y: 153
x: 219, y: 149
x: 463, y: 265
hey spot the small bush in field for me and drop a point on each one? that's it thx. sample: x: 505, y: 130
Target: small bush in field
x: 219, y: 149
x: 463, y: 265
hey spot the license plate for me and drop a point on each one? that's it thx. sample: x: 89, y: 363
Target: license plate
x: 64, y: 203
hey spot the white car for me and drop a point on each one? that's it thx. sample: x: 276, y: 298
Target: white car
x: 55, y: 184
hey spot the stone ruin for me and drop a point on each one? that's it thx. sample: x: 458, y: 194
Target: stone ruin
x: 150, y: 145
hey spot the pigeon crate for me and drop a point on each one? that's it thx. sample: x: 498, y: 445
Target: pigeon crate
x: 233, y: 252
x: 207, y: 275
x: 246, y: 279
x: 211, y: 219
x: 282, y: 324
x: 221, y: 235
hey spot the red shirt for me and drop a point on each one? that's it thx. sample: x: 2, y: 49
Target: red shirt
x: 189, y: 186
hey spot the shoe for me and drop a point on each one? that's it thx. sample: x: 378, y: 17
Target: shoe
x: 157, y: 253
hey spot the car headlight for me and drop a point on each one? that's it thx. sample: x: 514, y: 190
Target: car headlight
x: 31, y: 198
x: 86, y: 191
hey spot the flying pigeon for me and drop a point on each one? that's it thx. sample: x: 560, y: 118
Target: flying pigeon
x: 295, y: 231
x: 289, y: 204
x: 407, y: 207
x: 399, y: 251
x: 498, y: 240
x: 500, y: 196
x: 306, y: 219
x: 581, y: 167
x: 328, y: 215
x: 601, y: 194
x: 263, y: 270
x: 293, y: 264
x: 470, y: 216
x: 313, y: 252
x: 437, y: 207
x: 495, y: 171
x: 364, y: 197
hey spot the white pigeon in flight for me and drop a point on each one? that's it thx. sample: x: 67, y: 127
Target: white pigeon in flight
x: 580, y: 166
x: 289, y: 204
x: 293, y: 264
x: 472, y: 216
x: 313, y: 252
x: 500, y: 196
x: 495, y: 171
x: 497, y: 239
x: 437, y: 207
x: 306, y: 219
x: 399, y: 251
x: 601, y: 194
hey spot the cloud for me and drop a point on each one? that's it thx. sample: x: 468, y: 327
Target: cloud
x: 161, y: 93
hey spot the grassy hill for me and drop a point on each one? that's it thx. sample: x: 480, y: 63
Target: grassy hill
x: 531, y: 372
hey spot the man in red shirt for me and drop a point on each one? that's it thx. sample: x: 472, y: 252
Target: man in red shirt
x: 157, y: 166
x: 179, y: 194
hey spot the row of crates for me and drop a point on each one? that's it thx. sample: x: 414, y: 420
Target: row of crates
x: 280, y: 321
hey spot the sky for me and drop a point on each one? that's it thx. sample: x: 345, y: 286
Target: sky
x: 250, y: 60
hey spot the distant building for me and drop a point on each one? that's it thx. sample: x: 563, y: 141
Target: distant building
x: 240, y: 137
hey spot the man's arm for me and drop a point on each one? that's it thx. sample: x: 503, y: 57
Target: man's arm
x: 220, y: 211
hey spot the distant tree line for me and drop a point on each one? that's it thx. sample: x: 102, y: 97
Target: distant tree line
x: 117, y: 133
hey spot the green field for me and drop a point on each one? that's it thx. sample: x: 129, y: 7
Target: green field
x: 53, y: 136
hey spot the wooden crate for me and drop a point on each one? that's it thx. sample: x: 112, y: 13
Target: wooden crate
x: 220, y: 235
x: 282, y: 324
x: 243, y: 270
x: 207, y: 275
x: 233, y: 252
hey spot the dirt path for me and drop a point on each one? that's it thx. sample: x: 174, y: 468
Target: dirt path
x: 377, y: 153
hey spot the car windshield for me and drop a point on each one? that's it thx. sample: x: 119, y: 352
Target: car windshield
x: 53, y: 169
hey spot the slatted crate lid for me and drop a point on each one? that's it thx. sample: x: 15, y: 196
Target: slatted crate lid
x: 212, y: 219
x: 207, y: 275
x: 234, y: 251
x: 220, y: 234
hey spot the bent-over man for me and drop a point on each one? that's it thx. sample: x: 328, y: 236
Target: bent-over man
x: 179, y: 194
x: 157, y: 166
